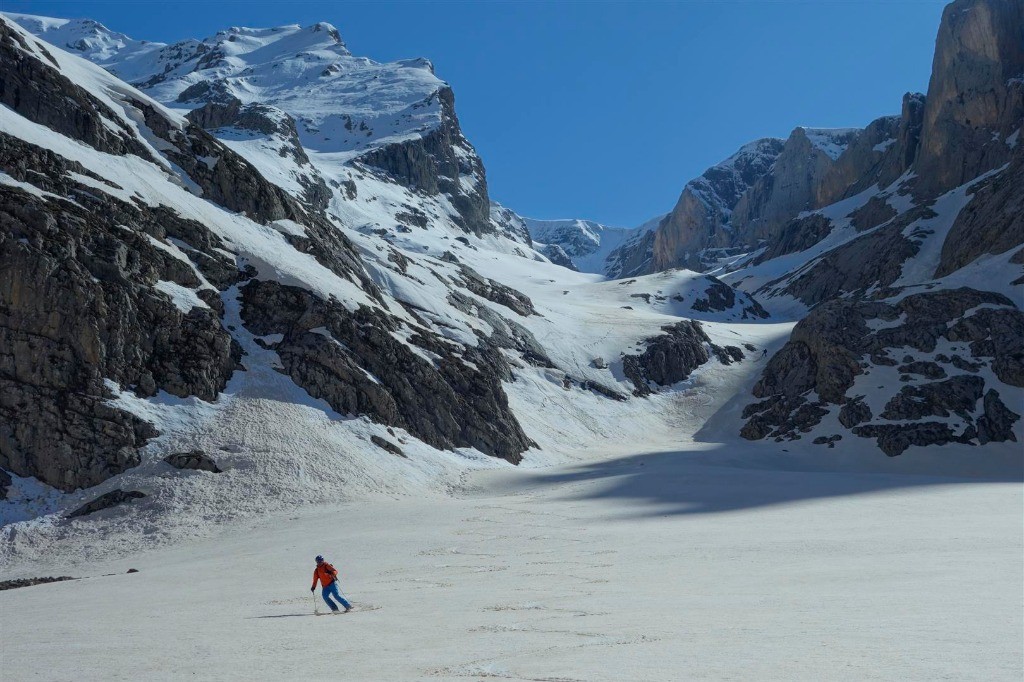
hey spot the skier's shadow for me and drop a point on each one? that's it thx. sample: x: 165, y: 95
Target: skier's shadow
x: 284, y: 615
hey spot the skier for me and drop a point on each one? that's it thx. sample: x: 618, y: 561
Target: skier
x: 764, y: 353
x: 328, y: 578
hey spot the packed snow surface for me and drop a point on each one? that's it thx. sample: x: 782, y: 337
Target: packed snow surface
x: 702, y: 562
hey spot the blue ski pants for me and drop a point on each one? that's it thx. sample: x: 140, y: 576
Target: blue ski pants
x: 332, y: 591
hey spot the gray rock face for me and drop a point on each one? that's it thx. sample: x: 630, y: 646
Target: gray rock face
x: 431, y: 164
x: 993, y: 222
x: 756, y: 197
x: 106, y: 501
x: 958, y: 395
x: 358, y: 367
x: 505, y: 332
x: 195, y: 460
x: 5, y: 484
x: 927, y: 369
x: 77, y: 307
x: 668, y: 358
x: 873, y: 260
x: 721, y: 297
x: 975, y: 96
x: 790, y: 188
x: 509, y: 223
x: 894, y: 439
x: 782, y: 418
x: 634, y: 258
x: 29, y: 582
x: 672, y: 357
x: 231, y: 181
x: 996, y: 424
x: 484, y: 287
x: 387, y: 446
x: 557, y: 255
x: 702, y: 210
x: 40, y: 93
x: 797, y: 235
x: 872, y: 214
x: 853, y: 412
x: 835, y: 344
x: 276, y: 126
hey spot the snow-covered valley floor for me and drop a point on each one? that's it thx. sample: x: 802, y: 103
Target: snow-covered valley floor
x: 666, y: 565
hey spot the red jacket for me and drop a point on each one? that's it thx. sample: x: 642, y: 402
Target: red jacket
x: 325, y: 573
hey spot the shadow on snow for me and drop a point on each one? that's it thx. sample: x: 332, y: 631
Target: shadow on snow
x: 727, y: 479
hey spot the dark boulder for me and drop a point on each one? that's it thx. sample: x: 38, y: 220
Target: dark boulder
x: 194, y: 459
x: 894, y: 439
x: 854, y: 412
x: 106, y: 501
x: 996, y: 424
x: 387, y: 445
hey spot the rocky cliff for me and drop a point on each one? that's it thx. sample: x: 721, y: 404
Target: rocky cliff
x: 976, y: 94
x: 920, y: 287
x: 130, y: 235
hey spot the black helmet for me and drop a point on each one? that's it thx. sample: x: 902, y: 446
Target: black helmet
x: 319, y: 558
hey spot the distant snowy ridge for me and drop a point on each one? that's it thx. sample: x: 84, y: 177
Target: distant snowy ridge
x: 588, y: 244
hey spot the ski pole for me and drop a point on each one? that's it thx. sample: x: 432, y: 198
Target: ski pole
x: 316, y: 607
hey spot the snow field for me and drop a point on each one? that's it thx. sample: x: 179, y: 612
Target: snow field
x: 649, y: 566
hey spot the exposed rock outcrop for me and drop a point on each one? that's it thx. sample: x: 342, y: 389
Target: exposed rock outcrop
x: 106, y: 501
x: 195, y: 460
x: 872, y: 260
x: 387, y: 446
x: 509, y: 223
x: 31, y: 85
x: 557, y: 255
x: 672, y: 356
x: 843, y: 339
x: 996, y: 424
x: 791, y: 186
x: 81, y: 308
x: 352, y: 360
x: 704, y: 207
x: 993, y: 222
x: 29, y: 582
x: 438, y: 162
x: 976, y: 94
x: 496, y: 292
x: 271, y: 124
x: 719, y: 297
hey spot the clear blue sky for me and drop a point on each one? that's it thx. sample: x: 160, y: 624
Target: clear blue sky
x: 604, y: 110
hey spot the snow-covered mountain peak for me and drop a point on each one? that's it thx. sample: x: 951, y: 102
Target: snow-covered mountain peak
x: 342, y: 104
x: 87, y: 36
x: 278, y: 41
